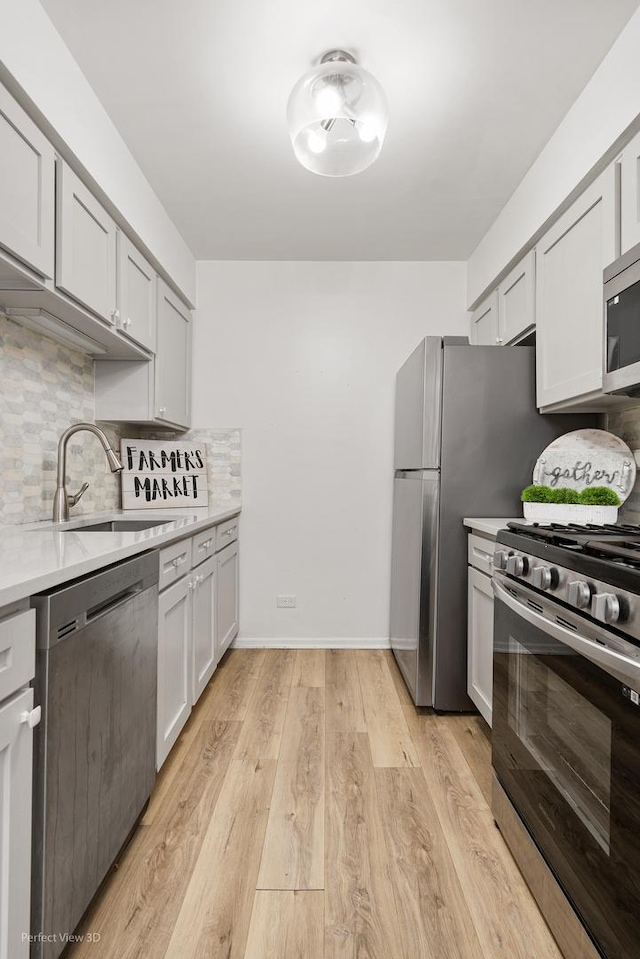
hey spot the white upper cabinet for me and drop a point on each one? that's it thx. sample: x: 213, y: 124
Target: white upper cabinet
x: 508, y: 313
x: 516, y: 301
x: 630, y: 195
x: 172, y: 394
x: 569, y: 307
x: 85, y: 246
x: 136, y: 312
x: 158, y: 391
x: 484, y: 323
x: 27, y: 194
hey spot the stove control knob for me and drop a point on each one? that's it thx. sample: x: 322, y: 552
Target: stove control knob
x: 579, y: 594
x: 606, y: 607
x: 544, y: 577
x: 517, y: 565
x: 500, y: 559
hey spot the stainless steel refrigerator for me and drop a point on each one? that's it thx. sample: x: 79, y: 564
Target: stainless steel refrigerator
x: 467, y: 435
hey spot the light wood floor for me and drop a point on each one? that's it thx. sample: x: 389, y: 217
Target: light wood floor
x: 308, y: 811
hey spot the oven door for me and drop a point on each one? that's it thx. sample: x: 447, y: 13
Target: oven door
x: 566, y: 749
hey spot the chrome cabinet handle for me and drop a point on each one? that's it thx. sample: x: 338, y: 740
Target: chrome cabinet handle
x: 206, y: 544
x: 115, y: 316
x: 162, y: 410
x: 179, y: 560
x: 229, y: 532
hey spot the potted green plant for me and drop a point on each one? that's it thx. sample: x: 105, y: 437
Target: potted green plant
x: 562, y: 504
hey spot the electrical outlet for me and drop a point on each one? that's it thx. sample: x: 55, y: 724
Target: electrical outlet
x: 285, y: 602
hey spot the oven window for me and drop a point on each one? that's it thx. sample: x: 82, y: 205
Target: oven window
x: 567, y: 736
x: 623, y: 328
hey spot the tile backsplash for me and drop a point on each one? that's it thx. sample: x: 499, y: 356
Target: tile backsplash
x: 626, y: 425
x: 45, y: 387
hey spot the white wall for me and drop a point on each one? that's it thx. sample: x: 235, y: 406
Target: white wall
x: 607, y: 106
x: 35, y: 55
x: 302, y: 356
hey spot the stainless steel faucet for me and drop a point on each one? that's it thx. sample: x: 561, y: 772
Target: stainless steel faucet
x: 62, y: 499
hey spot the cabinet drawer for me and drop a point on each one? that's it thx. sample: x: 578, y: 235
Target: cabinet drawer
x: 175, y: 561
x: 204, y: 545
x: 17, y: 651
x: 481, y: 553
x: 226, y: 533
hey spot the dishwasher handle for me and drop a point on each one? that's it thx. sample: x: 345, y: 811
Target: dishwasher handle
x: 114, y: 602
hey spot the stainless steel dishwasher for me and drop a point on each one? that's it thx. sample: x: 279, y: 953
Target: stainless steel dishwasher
x: 94, y: 753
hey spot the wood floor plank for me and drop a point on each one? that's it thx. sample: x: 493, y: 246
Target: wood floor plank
x: 213, y: 922
x: 345, y: 712
x: 286, y: 925
x: 434, y: 919
x: 229, y: 694
x: 389, y: 738
x: 264, y: 722
x: 360, y: 912
x: 507, y: 920
x: 309, y: 668
x: 135, y: 919
x: 471, y: 735
x: 293, y: 854
x: 401, y: 687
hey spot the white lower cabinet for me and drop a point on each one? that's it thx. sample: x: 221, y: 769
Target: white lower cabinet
x: 480, y: 642
x: 203, y: 626
x: 16, y: 755
x: 227, y: 613
x: 174, y: 664
x: 198, y: 619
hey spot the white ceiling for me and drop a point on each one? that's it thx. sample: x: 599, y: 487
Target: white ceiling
x: 198, y: 89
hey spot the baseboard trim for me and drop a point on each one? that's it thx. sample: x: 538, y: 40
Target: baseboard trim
x: 349, y: 642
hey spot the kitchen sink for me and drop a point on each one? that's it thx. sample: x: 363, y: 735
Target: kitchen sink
x: 120, y: 525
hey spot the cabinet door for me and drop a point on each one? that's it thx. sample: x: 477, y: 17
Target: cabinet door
x: 227, y: 608
x: 630, y: 195
x: 16, y: 748
x: 136, y: 313
x: 484, y: 323
x: 85, y: 246
x: 174, y: 664
x: 27, y: 195
x: 480, y: 642
x: 569, y: 308
x: 516, y: 300
x: 172, y: 392
x: 204, y: 626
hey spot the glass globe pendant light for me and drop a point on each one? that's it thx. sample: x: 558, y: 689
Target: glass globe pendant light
x: 337, y: 116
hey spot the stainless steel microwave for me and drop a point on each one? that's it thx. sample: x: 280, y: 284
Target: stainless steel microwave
x: 622, y: 324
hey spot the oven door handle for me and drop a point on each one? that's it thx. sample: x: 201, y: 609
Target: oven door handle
x: 622, y: 667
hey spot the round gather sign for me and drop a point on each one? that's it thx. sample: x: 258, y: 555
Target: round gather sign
x: 587, y: 458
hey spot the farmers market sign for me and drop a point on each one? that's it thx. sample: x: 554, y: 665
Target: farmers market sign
x: 160, y: 474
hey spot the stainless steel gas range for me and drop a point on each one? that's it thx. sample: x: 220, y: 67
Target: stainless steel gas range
x: 566, y: 719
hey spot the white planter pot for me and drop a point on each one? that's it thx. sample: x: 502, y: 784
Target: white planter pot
x: 569, y: 513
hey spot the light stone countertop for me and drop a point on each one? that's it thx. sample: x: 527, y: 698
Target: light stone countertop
x: 40, y: 556
x: 490, y: 526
